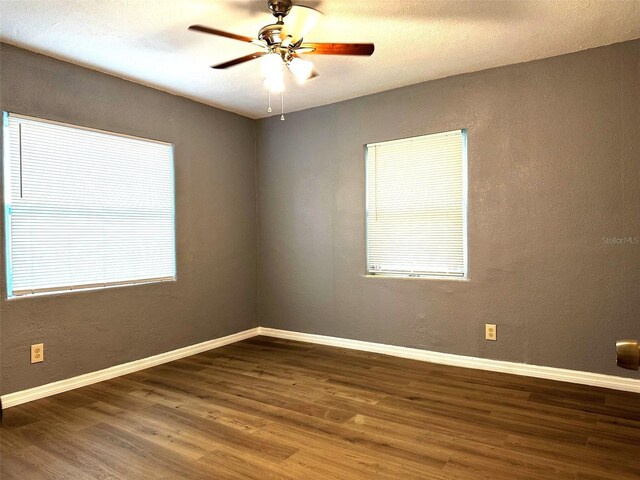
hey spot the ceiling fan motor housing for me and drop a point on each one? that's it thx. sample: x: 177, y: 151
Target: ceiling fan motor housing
x: 280, y: 8
x: 271, y: 34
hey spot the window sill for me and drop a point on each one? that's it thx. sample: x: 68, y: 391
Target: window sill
x: 407, y: 277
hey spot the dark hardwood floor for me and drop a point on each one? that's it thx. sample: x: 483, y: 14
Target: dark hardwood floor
x: 272, y: 409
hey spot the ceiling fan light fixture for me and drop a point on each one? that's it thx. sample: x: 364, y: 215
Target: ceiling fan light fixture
x: 301, y: 20
x: 271, y: 65
x: 301, y: 69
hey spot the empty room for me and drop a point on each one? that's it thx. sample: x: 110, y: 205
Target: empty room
x: 320, y: 239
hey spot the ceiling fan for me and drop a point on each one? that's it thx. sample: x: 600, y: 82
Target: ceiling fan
x: 282, y: 44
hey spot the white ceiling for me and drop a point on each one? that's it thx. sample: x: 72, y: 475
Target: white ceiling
x: 147, y: 41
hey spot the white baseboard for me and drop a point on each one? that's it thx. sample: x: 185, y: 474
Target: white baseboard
x: 24, y: 396
x: 549, y: 373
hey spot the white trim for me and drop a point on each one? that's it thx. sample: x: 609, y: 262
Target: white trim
x: 24, y: 396
x: 549, y: 373
x: 537, y: 371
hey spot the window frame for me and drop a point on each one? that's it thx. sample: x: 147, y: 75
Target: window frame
x: 465, y: 214
x: 5, y: 185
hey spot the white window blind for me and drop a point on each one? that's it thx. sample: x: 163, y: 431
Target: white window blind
x: 416, y: 206
x: 85, y: 208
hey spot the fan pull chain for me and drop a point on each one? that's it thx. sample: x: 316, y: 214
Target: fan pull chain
x: 269, y: 109
x: 282, y: 105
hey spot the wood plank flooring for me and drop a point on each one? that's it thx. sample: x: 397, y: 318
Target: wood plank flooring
x: 266, y: 409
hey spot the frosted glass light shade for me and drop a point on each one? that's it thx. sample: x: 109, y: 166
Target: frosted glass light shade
x: 301, y: 69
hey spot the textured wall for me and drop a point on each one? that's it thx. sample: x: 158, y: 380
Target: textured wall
x: 554, y: 166
x: 215, y: 294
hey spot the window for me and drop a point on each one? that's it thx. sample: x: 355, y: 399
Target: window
x: 85, y: 209
x: 416, y: 206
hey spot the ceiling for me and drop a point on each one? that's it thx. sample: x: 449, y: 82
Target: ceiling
x: 147, y: 41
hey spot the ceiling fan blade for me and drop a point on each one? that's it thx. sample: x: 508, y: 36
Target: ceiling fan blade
x: 220, y: 33
x: 339, y: 48
x: 300, y: 21
x: 237, y: 61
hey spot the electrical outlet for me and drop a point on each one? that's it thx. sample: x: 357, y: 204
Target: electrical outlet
x: 490, y: 331
x: 37, y: 353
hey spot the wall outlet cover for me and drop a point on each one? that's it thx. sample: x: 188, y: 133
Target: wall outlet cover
x: 490, y: 331
x: 37, y: 353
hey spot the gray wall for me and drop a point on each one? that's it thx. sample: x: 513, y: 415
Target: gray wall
x: 554, y: 166
x: 216, y: 228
